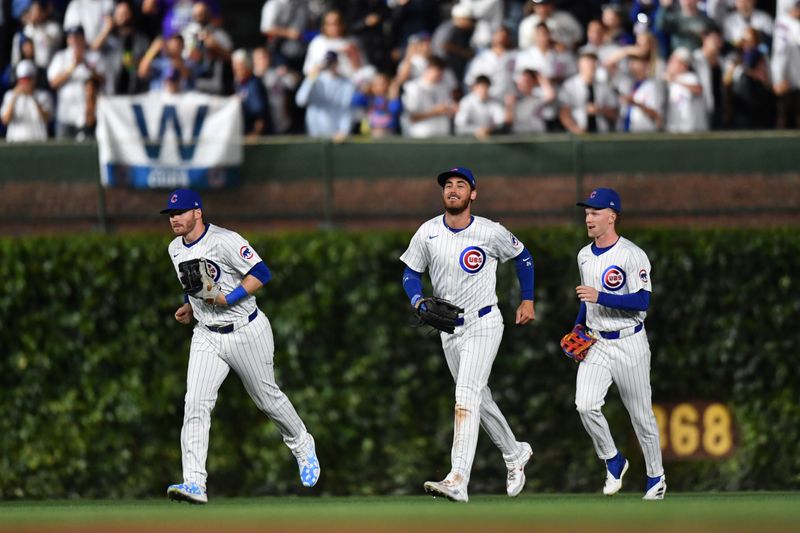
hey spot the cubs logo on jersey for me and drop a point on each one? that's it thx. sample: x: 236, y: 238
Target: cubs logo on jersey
x: 472, y: 259
x: 246, y: 252
x: 643, y: 276
x: 613, y: 278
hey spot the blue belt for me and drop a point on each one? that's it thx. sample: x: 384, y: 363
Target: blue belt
x: 229, y: 327
x: 615, y: 334
x: 483, y: 311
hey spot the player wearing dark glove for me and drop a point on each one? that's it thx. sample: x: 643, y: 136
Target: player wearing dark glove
x: 438, y: 313
x: 577, y: 342
x: 197, y: 280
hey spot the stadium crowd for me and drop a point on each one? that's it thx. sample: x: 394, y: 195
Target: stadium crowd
x: 417, y: 68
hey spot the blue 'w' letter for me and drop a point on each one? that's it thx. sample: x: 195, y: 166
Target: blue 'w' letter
x: 170, y: 116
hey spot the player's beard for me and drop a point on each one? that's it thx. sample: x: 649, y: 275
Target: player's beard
x: 456, y: 208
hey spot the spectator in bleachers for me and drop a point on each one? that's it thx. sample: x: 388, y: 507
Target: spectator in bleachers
x: 479, y: 114
x: 23, y: 50
x: 686, y: 25
x: 786, y: 67
x: 381, y: 106
x: 428, y: 104
x: 75, y: 73
x: 746, y: 15
x: 497, y: 63
x: 415, y: 58
x: 333, y: 38
x: 253, y: 94
x: 209, y: 48
x: 88, y: 14
x: 531, y: 107
x: 616, y: 63
x: 598, y: 42
x: 177, y: 14
x: 587, y: 105
x: 452, y: 40
x: 283, y: 23
x: 367, y: 20
x: 122, y: 46
x: 544, y: 58
x: 26, y: 110
x: 162, y: 56
x: 279, y: 81
x: 752, y: 98
x: 327, y: 96
x: 43, y: 32
x: 615, y: 21
x: 564, y: 28
x: 642, y: 101
x: 686, y: 108
x: 711, y: 66
x: 488, y: 15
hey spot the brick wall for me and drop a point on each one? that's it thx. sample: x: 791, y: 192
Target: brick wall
x: 751, y: 200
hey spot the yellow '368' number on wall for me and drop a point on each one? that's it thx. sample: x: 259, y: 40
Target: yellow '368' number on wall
x: 695, y: 430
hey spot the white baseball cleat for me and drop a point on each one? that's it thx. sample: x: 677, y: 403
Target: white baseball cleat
x: 451, y: 490
x: 614, y: 482
x: 656, y: 488
x: 308, y: 463
x: 187, y: 492
x: 515, y: 480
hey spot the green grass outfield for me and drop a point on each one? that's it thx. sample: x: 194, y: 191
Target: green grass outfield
x: 724, y: 512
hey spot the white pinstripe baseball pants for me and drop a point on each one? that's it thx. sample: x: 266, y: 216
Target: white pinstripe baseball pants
x: 470, y: 354
x: 248, y: 351
x: 625, y: 362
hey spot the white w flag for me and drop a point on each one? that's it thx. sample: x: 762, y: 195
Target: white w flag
x: 162, y: 140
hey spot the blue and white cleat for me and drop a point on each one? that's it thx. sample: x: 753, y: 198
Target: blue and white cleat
x: 615, y: 469
x: 187, y: 492
x: 656, y: 488
x: 308, y: 464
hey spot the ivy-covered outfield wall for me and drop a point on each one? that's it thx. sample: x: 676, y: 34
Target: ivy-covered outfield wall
x: 93, y: 367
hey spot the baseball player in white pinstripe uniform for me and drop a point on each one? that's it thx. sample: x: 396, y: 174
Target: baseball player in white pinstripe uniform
x: 231, y: 333
x: 615, y: 294
x: 461, y: 253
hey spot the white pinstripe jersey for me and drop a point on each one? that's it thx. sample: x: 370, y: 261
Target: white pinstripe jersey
x: 231, y: 257
x: 623, y: 269
x: 462, y: 265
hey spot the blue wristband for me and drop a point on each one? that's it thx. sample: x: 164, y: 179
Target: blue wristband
x: 236, y: 294
x: 415, y: 299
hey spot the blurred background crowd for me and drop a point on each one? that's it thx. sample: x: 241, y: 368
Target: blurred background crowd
x: 414, y: 68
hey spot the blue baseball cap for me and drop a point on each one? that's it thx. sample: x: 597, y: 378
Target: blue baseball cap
x: 459, y: 172
x: 603, y: 198
x: 182, y: 200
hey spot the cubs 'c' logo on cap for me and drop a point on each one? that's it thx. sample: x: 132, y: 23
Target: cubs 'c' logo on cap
x: 213, y: 269
x: 613, y: 278
x: 472, y: 259
x: 594, y: 193
x: 246, y: 253
x: 173, y: 198
x: 643, y: 276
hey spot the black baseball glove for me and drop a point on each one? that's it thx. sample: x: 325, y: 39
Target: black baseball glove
x: 438, y: 313
x: 197, y: 279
